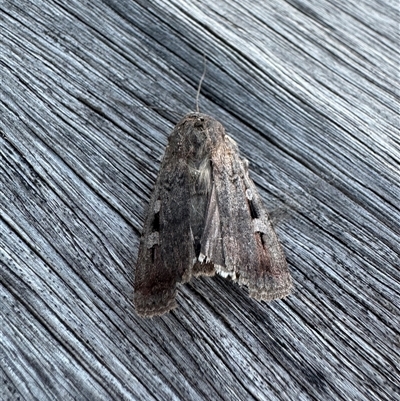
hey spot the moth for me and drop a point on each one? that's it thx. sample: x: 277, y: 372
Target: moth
x: 205, y: 216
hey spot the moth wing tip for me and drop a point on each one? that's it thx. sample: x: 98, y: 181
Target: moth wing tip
x: 155, y: 305
x: 159, y: 310
x: 272, y: 291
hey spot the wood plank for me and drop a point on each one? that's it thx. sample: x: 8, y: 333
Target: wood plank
x: 89, y: 94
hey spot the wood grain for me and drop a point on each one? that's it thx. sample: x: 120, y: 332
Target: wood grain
x: 89, y: 93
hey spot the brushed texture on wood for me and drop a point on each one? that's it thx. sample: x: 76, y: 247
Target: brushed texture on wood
x: 89, y: 93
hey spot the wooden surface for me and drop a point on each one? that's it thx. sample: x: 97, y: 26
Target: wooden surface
x: 89, y: 93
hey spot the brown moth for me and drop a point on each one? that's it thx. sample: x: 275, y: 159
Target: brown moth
x: 205, y: 217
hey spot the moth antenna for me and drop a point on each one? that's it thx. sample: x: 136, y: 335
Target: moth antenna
x: 201, y: 81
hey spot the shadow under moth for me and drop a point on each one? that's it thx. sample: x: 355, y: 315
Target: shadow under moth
x: 205, y: 216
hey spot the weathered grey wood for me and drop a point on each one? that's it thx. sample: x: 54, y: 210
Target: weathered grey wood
x: 90, y: 92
